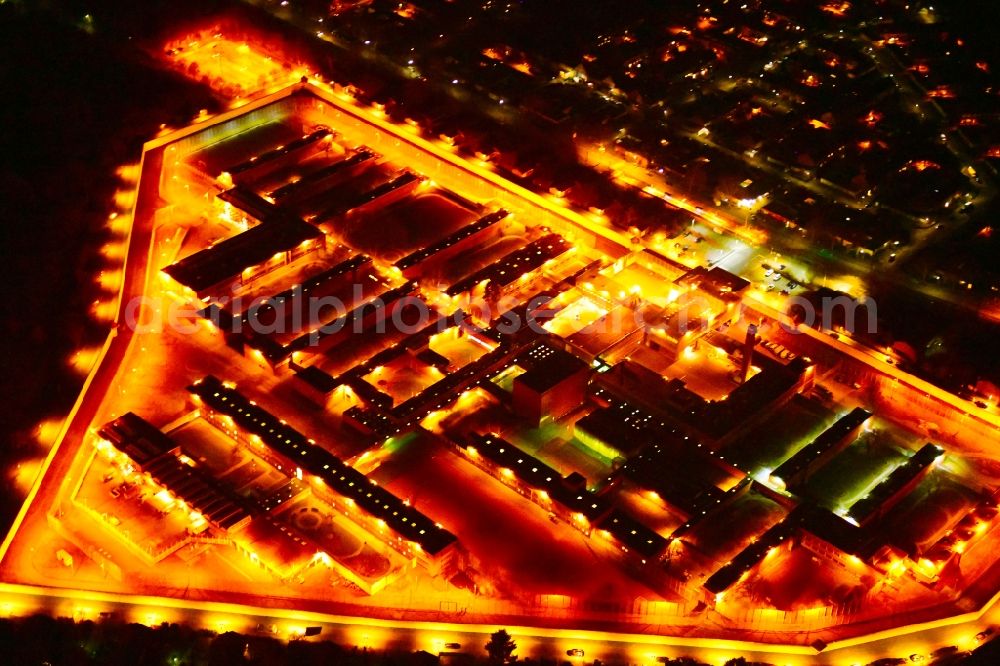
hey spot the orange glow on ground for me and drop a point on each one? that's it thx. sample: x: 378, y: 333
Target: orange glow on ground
x: 47, y: 431
x: 104, y: 310
x: 24, y: 473
x: 129, y: 173
x: 113, y: 251
x: 119, y: 223
x: 124, y: 199
x: 110, y: 280
x: 83, y: 359
x: 235, y: 68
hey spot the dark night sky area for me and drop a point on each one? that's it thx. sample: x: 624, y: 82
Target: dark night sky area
x: 75, y: 108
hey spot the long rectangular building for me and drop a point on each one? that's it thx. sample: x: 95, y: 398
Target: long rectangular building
x: 895, y: 486
x: 366, y: 316
x: 284, y: 150
x: 682, y: 471
x: 418, y: 534
x: 315, y: 286
x: 154, y: 453
x: 529, y: 474
x: 312, y: 181
x: 814, y: 455
x: 355, y: 201
x: 205, y: 271
x: 633, y: 536
x: 249, y: 202
x: 466, y: 232
x: 515, y: 264
x: 733, y: 571
x: 754, y: 400
x: 566, y: 496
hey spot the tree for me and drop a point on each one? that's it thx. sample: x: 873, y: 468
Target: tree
x: 501, y: 647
